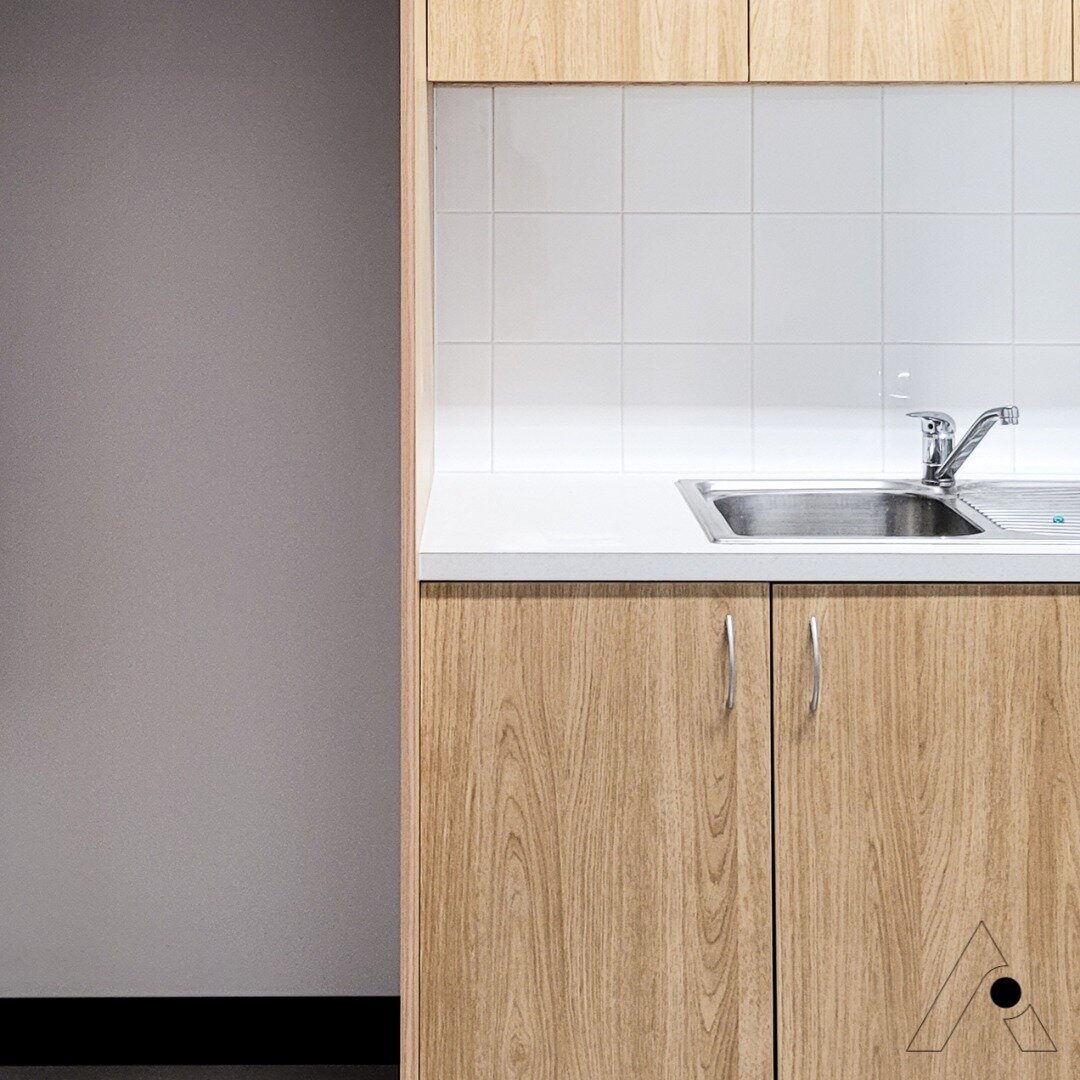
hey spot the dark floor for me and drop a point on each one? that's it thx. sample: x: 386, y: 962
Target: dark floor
x: 202, y: 1072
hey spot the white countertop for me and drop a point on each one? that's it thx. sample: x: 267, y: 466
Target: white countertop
x: 629, y: 527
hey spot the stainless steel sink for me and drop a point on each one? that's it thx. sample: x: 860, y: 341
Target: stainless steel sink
x: 845, y: 510
x: 841, y: 513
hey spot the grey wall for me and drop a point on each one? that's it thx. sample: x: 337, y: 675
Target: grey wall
x: 198, y: 496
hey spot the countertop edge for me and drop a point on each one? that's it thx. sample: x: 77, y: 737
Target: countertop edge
x: 1011, y: 567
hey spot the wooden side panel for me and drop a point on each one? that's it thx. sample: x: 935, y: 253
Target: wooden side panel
x: 911, y: 41
x: 588, y: 40
x: 417, y: 271
x: 936, y: 791
x: 417, y: 466
x: 596, y: 835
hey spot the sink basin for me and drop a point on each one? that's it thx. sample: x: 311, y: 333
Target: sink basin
x: 843, y: 511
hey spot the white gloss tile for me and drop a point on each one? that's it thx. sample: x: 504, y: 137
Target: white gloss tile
x: 948, y: 278
x: 817, y: 409
x: 1048, y: 149
x: 961, y: 380
x: 463, y: 407
x: 687, y: 408
x: 1048, y: 385
x: 557, y: 277
x: 1048, y: 279
x: 817, y: 277
x: 687, y: 277
x: 687, y: 148
x: 686, y: 393
x: 557, y: 408
x: 948, y: 149
x: 817, y: 148
x: 463, y: 277
x: 463, y: 148
x: 558, y: 148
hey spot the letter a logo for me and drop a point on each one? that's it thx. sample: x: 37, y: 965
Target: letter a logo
x: 980, y: 957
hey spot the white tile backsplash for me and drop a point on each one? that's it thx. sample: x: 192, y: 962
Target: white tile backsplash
x: 1047, y: 149
x: 463, y: 406
x: 817, y: 278
x: 686, y: 277
x: 1046, y: 439
x: 1048, y: 279
x: 817, y: 409
x: 558, y: 149
x: 557, y: 408
x: 698, y: 279
x: 817, y: 149
x: 687, y: 408
x: 463, y: 277
x: 687, y: 149
x: 948, y: 149
x: 463, y: 173
x: 558, y: 277
x: 948, y: 278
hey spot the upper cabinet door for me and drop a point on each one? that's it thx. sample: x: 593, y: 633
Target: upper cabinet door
x: 911, y: 40
x: 928, y: 832
x: 587, y: 41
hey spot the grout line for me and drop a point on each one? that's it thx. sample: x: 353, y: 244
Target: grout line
x: 622, y: 289
x: 766, y: 213
x: 806, y: 343
x: 1012, y: 266
x: 491, y: 275
x: 753, y: 282
x: 437, y: 344
x: 491, y: 151
x: 881, y: 373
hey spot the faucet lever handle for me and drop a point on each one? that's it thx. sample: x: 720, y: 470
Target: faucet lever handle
x: 935, y: 423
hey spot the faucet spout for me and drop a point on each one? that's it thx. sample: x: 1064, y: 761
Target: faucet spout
x: 945, y: 474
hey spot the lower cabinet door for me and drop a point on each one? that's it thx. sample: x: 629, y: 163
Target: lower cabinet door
x: 928, y: 832
x: 595, y: 845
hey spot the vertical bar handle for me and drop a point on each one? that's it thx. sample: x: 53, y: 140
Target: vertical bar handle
x: 815, y: 656
x: 732, y: 670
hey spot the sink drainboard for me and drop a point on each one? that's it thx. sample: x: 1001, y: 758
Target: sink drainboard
x: 1048, y: 510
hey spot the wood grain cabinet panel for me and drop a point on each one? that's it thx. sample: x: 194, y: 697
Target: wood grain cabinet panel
x: 928, y: 833
x: 595, y: 845
x: 587, y: 40
x: 911, y: 40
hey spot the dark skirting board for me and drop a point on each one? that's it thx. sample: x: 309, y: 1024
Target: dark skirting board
x: 199, y: 1031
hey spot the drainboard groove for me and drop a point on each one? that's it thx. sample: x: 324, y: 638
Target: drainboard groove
x: 1049, y: 510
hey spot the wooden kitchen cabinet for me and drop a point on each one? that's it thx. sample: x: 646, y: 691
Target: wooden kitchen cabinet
x: 911, y: 41
x: 595, y: 833
x: 587, y: 41
x: 928, y: 832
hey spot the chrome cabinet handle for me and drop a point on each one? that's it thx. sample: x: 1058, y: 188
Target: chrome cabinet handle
x: 815, y: 656
x: 732, y: 670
